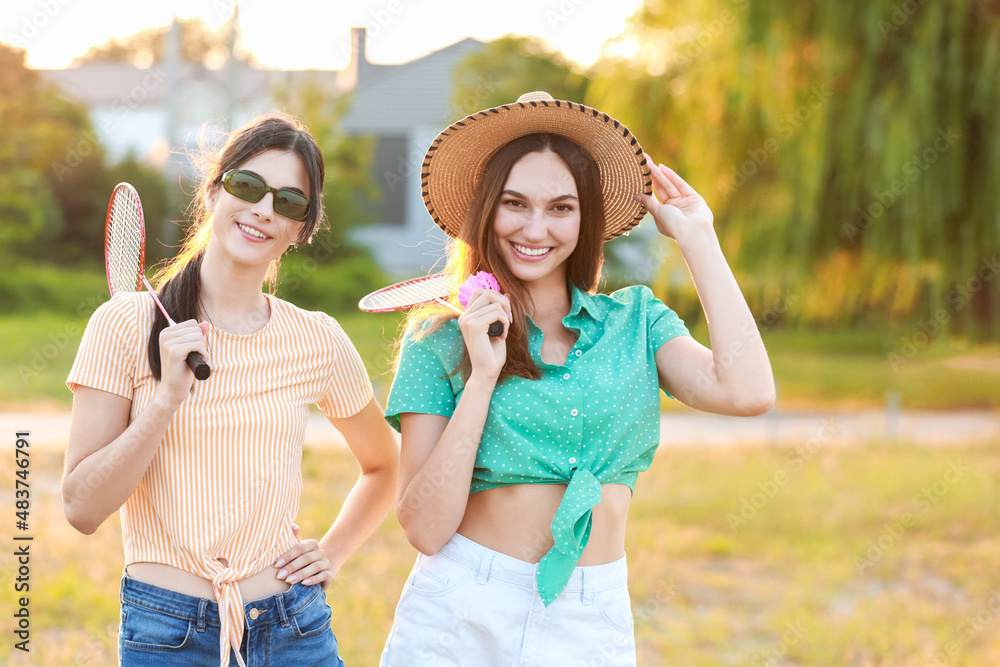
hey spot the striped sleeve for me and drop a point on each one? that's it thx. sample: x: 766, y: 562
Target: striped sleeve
x: 107, y: 357
x: 350, y: 389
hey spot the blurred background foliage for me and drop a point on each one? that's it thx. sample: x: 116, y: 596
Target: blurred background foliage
x: 848, y: 150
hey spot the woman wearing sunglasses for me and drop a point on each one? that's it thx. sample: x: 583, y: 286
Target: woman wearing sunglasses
x: 520, y: 453
x: 206, y: 474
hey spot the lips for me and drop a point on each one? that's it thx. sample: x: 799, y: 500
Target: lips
x: 530, y: 252
x: 252, y: 232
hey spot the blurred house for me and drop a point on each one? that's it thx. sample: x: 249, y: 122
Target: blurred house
x: 160, y: 117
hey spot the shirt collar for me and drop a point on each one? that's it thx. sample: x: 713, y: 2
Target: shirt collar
x: 595, y: 305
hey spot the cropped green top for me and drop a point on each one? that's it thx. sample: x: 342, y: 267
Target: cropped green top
x: 589, y: 421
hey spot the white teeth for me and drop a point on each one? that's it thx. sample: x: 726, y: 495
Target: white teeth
x: 530, y: 251
x: 253, y: 232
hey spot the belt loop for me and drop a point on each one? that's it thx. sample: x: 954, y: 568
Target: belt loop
x: 484, y: 567
x: 202, y: 613
x: 587, y: 595
x: 282, y: 612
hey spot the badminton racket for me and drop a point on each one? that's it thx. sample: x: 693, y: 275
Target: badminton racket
x: 409, y: 293
x: 125, y: 256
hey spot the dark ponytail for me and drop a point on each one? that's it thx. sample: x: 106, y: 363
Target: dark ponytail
x: 180, y: 296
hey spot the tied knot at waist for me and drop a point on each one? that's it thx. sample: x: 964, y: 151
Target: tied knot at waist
x: 570, y: 528
x: 231, y: 615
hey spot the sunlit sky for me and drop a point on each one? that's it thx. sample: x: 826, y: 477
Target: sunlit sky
x: 303, y: 34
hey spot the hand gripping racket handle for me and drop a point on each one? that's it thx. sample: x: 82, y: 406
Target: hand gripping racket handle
x: 495, y: 329
x: 196, y: 362
x: 199, y: 366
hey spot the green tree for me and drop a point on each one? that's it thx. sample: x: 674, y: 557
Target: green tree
x: 50, y: 160
x: 198, y: 43
x: 848, y: 149
x: 507, y: 68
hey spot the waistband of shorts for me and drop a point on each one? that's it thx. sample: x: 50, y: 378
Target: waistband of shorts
x: 493, y: 564
x: 266, y: 611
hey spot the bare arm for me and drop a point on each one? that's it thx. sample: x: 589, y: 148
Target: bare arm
x: 373, y: 444
x: 106, y: 456
x: 439, y: 453
x: 734, y: 377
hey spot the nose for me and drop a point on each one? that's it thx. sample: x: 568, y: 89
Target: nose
x: 535, y: 227
x: 264, y: 207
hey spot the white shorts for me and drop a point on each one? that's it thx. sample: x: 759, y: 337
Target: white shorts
x: 469, y: 606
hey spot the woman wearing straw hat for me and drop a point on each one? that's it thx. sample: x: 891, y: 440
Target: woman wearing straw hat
x: 520, y: 452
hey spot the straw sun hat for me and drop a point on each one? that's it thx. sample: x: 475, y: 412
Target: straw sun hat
x: 457, y: 158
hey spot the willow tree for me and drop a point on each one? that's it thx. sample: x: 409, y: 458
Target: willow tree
x: 850, y: 150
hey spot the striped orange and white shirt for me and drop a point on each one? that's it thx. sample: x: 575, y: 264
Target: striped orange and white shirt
x: 226, y: 479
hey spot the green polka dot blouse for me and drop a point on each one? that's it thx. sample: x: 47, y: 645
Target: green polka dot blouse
x: 592, y: 420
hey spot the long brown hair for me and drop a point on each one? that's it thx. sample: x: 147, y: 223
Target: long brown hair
x: 476, y: 248
x: 179, y: 281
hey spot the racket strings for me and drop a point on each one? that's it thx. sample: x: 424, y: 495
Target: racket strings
x: 125, y: 243
x: 409, y: 294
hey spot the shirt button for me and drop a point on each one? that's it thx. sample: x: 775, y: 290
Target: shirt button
x: 572, y: 459
x: 566, y: 377
x: 579, y: 353
x: 574, y: 412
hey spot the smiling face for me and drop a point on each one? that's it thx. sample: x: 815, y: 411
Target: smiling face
x: 537, y: 222
x: 252, y: 233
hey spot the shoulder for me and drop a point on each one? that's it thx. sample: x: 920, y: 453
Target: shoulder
x: 635, y: 298
x: 442, y: 338
x: 124, y: 312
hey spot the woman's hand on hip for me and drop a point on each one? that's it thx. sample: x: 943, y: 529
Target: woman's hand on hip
x: 305, y: 563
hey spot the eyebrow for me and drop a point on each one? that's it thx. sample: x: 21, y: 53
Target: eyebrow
x: 515, y: 193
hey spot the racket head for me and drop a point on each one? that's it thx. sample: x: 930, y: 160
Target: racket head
x: 409, y: 293
x: 124, y: 241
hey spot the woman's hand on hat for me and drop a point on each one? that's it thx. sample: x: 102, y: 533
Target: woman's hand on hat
x: 487, y: 354
x: 305, y: 563
x: 677, y: 208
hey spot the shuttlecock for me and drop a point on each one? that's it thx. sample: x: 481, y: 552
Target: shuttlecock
x: 481, y: 280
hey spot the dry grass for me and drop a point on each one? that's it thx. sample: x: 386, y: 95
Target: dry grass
x: 788, y: 587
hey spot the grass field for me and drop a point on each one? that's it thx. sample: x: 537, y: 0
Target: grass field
x: 842, y: 370
x: 863, y: 556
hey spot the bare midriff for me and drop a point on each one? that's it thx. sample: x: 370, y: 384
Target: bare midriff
x: 516, y: 521
x: 261, y: 585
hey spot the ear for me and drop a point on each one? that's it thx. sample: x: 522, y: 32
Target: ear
x: 211, y: 193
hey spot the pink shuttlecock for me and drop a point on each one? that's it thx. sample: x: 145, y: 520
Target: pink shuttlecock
x: 481, y: 280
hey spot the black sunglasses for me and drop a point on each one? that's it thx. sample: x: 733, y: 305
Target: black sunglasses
x: 252, y: 188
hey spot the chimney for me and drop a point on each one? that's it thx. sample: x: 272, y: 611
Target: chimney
x: 358, y: 60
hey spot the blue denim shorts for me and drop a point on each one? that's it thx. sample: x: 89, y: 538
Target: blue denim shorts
x: 469, y: 605
x: 164, y: 628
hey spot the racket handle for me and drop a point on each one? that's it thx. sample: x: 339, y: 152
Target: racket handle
x: 495, y: 329
x: 199, y: 366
